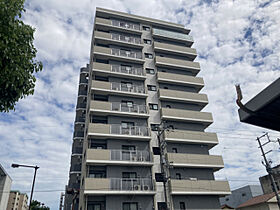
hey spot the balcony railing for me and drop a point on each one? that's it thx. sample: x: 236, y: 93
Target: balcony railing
x: 77, y: 150
x: 79, y: 134
x: 126, y: 155
x: 76, y: 167
x: 119, y: 184
x: 133, y: 130
x: 127, y: 87
x: 127, y: 70
x: 124, y: 24
x: 81, y: 105
x: 131, y: 184
x: 130, y: 39
x: 80, y: 119
x: 141, y: 109
x: 126, y: 53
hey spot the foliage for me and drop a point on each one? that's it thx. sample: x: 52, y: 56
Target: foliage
x: 36, y: 205
x: 17, y: 55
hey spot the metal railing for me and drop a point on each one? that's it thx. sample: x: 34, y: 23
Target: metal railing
x: 131, y: 184
x: 127, y: 87
x: 75, y: 168
x: 124, y: 24
x: 79, y: 134
x: 121, y: 107
x: 82, y: 93
x: 80, y: 119
x: 131, y: 130
x: 77, y: 150
x: 127, y: 70
x: 81, y: 105
x: 124, y: 38
x: 128, y: 155
x: 126, y: 53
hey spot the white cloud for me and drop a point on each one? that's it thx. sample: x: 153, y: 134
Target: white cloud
x: 40, y: 131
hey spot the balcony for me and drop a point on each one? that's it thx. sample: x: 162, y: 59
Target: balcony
x: 78, y: 135
x: 170, y: 35
x: 120, y: 39
x: 107, y: 131
x: 118, y: 109
x: 182, y: 80
x: 118, y: 157
x: 199, y: 187
x: 116, y: 186
x: 102, y: 23
x: 77, y: 150
x: 129, y: 72
x: 118, y: 89
x: 175, y: 50
x: 196, y: 161
x: 172, y: 63
x: 183, y: 97
x: 204, y: 118
x: 118, y: 54
x: 192, y: 137
x: 75, y: 168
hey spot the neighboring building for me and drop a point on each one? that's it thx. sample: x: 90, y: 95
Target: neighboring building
x: 142, y: 78
x: 5, y: 187
x: 266, y: 183
x: 264, y: 108
x: 261, y: 202
x: 241, y: 195
x: 17, y: 201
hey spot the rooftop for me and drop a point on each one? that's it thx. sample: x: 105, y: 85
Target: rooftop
x: 265, y: 107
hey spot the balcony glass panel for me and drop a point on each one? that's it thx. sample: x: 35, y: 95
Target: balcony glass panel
x: 131, y: 184
x: 116, y: 106
x: 132, y: 130
x: 124, y: 24
x: 172, y: 34
x: 127, y: 87
x: 128, y: 70
x: 127, y: 53
x: 125, y: 38
x: 127, y: 155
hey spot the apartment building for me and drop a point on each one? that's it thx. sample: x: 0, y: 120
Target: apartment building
x: 17, y: 201
x: 139, y: 140
x: 5, y: 186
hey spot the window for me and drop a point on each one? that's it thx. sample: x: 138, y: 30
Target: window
x: 130, y: 206
x: 154, y: 127
x: 165, y: 87
x: 168, y: 106
x: 149, y: 55
x: 150, y: 71
x: 97, y: 173
x: 100, y: 97
x: 99, y: 78
x: 178, y: 176
x: 126, y: 85
x: 129, y: 175
x: 182, y: 206
x: 146, y: 28
x: 126, y: 68
x: 98, y: 145
x: 128, y: 147
x: 127, y: 124
x: 147, y: 41
x: 99, y: 119
x: 152, y: 87
x: 174, y: 150
x: 127, y: 104
x: 153, y: 106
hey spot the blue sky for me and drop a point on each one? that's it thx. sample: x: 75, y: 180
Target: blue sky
x: 237, y: 42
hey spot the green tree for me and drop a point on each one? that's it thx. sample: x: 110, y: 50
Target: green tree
x: 36, y: 205
x: 17, y: 55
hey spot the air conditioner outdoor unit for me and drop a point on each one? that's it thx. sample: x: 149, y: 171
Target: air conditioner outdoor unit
x: 193, y: 179
x: 137, y: 187
x: 146, y: 187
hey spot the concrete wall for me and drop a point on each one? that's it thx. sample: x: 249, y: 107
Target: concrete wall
x: 197, y: 202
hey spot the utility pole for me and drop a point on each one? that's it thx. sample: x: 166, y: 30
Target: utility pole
x: 267, y: 165
x: 165, y: 165
x: 61, y: 201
